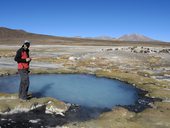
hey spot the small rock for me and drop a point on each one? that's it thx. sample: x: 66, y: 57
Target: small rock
x: 3, y: 119
x: 34, y: 121
x: 93, y: 58
x: 72, y: 58
x: 146, y: 75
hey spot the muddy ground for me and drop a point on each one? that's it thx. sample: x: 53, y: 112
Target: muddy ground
x: 147, y: 68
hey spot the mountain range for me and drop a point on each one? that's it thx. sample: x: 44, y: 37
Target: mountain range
x: 12, y: 33
x: 135, y: 37
x: 13, y: 36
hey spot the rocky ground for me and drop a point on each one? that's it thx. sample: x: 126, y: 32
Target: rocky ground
x: 147, y: 68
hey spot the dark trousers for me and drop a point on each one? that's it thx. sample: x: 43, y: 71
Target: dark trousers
x: 24, y: 84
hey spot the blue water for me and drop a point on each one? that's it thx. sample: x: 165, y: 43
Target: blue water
x: 84, y: 90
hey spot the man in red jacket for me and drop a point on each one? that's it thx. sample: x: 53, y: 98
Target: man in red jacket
x: 23, y: 60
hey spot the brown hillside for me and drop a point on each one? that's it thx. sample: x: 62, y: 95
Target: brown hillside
x: 15, y: 37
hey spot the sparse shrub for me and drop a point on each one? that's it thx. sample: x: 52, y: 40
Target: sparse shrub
x: 133, y: 48
x: 141, y: 51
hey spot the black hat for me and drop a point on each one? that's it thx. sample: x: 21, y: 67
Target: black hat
x: 27, y: 43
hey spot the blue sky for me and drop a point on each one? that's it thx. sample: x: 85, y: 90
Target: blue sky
x: 88, y: 18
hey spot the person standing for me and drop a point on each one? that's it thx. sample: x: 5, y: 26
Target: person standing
x: 23, y: 60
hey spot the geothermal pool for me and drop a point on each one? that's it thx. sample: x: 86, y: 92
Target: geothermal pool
x: 81, y: 89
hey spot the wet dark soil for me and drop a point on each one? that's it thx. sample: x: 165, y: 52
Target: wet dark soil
x: 39, y: 119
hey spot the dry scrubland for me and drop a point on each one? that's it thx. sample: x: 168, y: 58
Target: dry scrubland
x: 145, y: 66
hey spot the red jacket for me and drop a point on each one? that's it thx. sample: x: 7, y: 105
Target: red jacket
x: 20, y: 57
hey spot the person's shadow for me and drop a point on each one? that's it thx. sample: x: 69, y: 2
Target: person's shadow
x: 42, y: 91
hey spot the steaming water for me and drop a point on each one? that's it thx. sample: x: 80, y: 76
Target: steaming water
x: 84, y: 90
